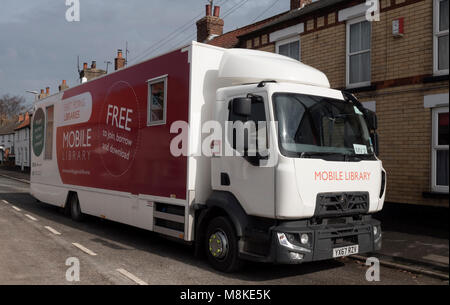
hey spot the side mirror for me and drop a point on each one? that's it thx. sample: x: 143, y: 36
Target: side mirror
x: 372, y: 120
x: 375, y: 144
x: 242, y: 106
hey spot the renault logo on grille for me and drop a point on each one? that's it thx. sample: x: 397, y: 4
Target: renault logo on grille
x: 343, y: 201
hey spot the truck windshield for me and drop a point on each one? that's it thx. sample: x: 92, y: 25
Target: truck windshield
x: 315, y: 125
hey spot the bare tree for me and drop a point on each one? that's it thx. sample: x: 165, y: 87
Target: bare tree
x: 11, y: 106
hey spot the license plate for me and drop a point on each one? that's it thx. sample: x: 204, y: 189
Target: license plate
x: 345, y: 251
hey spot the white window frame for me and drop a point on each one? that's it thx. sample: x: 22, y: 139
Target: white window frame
x: 150, y: 82
x: 360, y: 84
x: 436, y: 35
x: 435, y: 147
x: 287, y: 41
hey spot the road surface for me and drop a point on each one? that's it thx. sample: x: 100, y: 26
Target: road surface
x: 36, y: 240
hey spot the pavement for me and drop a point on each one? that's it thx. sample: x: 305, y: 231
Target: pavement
x: 415, y: 238
x: 32, y: 253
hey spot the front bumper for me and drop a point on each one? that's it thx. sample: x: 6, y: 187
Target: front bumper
x: 322, y: 240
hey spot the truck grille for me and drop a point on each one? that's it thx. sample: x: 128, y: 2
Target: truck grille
x: 341, y: 204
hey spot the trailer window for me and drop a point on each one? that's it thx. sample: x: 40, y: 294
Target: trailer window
x: 157, y: 101
x: 49, y: 134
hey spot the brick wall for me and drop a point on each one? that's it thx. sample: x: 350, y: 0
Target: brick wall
x: 325, y: 50
x: 398, y: 67
x: 410, y: 55
x: 405, y: 141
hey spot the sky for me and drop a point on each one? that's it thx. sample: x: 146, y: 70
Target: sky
x: 39, y: 47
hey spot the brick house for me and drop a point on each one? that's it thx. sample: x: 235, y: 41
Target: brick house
x: 397, y: 66
x: 22, y: 141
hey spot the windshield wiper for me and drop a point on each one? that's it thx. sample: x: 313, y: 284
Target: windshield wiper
x: 345, y: 156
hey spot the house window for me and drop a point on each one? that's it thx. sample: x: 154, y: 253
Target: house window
x: 441, y: 53
x: 440, y: 156
x: 358, y: 52
x: 289, y: 47
x: 49, y: 134
x: 157, y: 101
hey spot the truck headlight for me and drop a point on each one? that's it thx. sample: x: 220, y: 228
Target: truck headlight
x: 284, y: 241
x: 304, y: 239
x: 375, y: 230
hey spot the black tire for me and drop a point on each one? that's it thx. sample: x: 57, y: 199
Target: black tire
x: 230, y: 262
x: 75, y: 211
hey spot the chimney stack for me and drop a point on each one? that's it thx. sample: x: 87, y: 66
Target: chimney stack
x: 47, y: 91
x: 63, y: 86
x: 297, y: 4
x: 209, y: 26
x: 41, y: 95
x: 90, y: 73
x: 119, y: 61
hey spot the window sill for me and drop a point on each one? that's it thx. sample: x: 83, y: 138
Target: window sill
x: 435, y: 78
x: 435, y: 195
x: 361, y: 89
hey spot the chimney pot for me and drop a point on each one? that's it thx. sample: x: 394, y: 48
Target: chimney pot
x: 64, y: 82
x: 216, y: 11
x: 208, y: 10
x: 47, y: 90
x: 85, y: 66
x: 94, y: 64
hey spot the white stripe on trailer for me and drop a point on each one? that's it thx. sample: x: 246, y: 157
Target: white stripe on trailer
x: 5, y: 201
x: 84, y: 249
x: 16, y: 208
x: 131, y: 276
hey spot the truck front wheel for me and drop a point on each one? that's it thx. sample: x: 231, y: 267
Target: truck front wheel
x: 222, y: 245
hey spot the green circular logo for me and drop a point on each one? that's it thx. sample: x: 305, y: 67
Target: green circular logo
x: 38, y: 131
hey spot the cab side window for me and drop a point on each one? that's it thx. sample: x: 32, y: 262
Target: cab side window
x: 252, y: 139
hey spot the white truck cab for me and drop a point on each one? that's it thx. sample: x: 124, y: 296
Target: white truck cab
x: 307, y: 190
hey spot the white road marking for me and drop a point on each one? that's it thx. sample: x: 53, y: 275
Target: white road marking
x: 84, y: 249
x: 131, y: 276
x: 16, y: 208
x: 31, y: 217
x: 52, y: 230
x: 5, y: 201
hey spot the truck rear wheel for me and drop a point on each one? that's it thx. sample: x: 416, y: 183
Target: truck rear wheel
x: 75, y: 211
x: 222, y: 245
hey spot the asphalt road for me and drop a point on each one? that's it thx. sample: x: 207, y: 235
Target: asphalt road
x: 31, y: 253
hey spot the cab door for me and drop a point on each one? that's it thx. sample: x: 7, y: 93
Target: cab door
x: 248, y: 173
